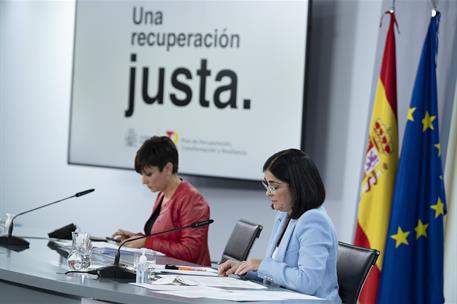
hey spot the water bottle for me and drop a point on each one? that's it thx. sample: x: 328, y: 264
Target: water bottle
x: 142, y: 270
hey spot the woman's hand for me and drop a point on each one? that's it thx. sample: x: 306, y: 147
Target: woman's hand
x: 239, y: 268
x: 135, y: 244
x: 249, y: 265
x: 122, y: 235
x: 228, y: 267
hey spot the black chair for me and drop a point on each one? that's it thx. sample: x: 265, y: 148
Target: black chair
x: 241, y: 240
x: 353, y: 265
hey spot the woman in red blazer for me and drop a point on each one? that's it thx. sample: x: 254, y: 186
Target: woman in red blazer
x: 177, y: 204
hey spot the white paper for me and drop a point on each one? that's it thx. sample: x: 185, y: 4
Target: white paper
x: 208, y: 287
x: 187, y: 272
x: 190, y: 280
x: 225, y: 282
x: 106, y: 247
x: 237, y: 295
x: 292, y: 295
x: 103, y: 247
x: 185, y: 291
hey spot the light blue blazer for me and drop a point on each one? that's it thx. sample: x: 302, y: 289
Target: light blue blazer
x: 306, y: 257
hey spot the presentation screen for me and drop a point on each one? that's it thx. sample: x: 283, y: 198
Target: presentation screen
x: 223, y: 79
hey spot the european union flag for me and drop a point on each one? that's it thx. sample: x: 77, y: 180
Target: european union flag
x: 413, y: 262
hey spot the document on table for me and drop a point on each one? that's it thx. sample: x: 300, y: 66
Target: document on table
x: 109, y: 248
x: 227, y: 294
x: 225, y: 282
x: 222, y: 288
x: 106, y: 247
x: 190, y: 280
x: 237, y: 295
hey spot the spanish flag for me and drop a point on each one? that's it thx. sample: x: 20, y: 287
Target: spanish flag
x: 380, y: 167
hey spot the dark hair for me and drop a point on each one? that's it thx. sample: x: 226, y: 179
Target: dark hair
x: 294, y: 167
x: 156, y: 151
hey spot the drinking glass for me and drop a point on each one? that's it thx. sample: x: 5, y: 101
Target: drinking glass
x: 81, y: 251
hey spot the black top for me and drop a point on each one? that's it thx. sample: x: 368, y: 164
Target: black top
x: 152, y: 219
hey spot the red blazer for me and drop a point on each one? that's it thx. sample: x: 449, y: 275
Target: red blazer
x: 185, y: 207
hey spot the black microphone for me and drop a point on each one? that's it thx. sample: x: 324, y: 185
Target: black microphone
x: 201, y: 223
x: 16, y: 243
x: 118, y: 272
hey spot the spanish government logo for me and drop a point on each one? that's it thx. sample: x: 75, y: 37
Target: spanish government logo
x: 173, y: 135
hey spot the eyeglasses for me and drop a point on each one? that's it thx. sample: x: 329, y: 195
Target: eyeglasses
x: 271, y: 188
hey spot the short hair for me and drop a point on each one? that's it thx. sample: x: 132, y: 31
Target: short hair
x: 297, y: 169
x: 156, y: 151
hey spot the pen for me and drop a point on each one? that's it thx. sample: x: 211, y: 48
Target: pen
x: 173, y: 267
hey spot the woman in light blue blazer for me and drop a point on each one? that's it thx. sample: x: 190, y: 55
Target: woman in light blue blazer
x: 302, y: 250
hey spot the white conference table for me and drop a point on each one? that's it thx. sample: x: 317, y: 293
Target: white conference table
x: 36, y: 275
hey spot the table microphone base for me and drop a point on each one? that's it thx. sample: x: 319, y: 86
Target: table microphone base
x: 115, y: 272
x: 13, y: 242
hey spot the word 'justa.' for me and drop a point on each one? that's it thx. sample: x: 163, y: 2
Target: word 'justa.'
x: 181, y: 79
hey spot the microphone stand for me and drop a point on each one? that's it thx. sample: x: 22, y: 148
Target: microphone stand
x: 17, y: 243
x: 118, y: 272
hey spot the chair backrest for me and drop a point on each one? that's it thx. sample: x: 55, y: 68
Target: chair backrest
x: 241, y: 240
x: 353, y: 265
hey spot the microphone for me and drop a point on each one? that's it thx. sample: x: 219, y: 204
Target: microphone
x: 116, y: 271
x: 16, y: 243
